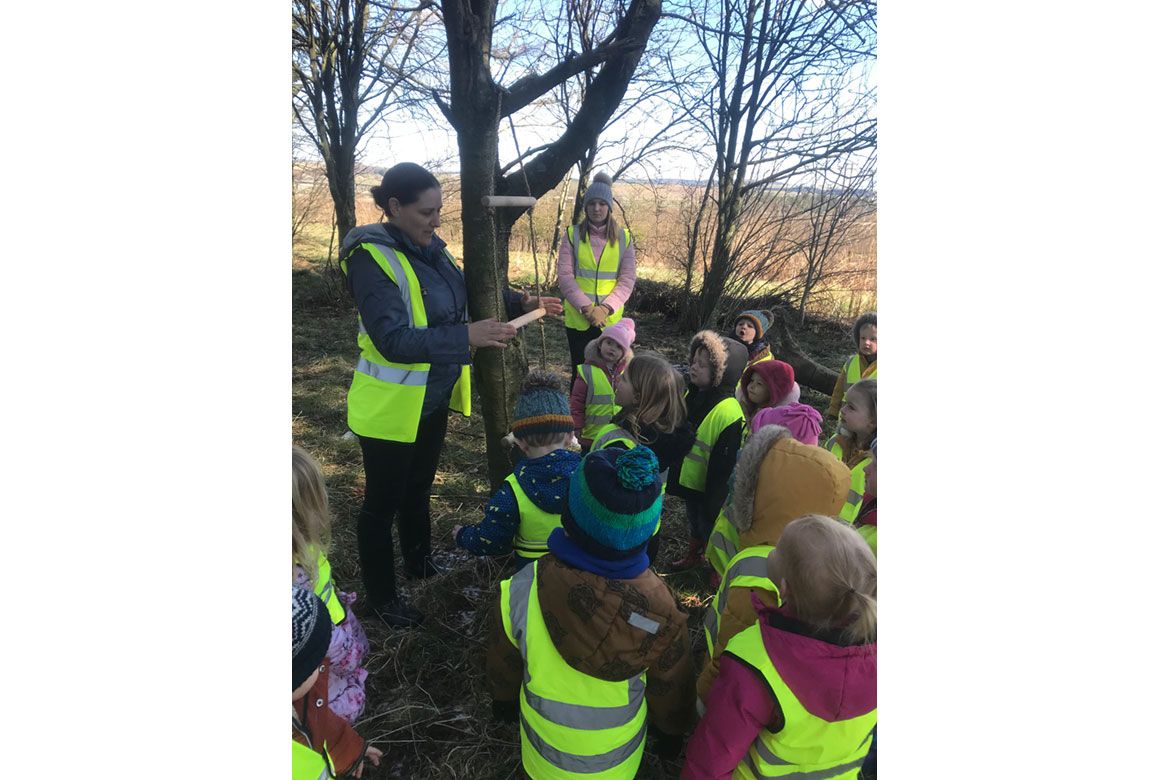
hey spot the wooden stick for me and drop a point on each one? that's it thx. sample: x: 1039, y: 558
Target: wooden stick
x: 508, y: 200
x: 524, y: 319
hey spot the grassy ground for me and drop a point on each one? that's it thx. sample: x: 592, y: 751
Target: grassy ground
x: 427, y: 702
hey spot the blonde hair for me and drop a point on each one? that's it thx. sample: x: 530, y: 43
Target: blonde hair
x: 658, y: 396
x: 831, y: 576
x: 310, y: 513
x: 850, y: 446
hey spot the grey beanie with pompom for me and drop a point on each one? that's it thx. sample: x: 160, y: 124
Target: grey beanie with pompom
x: 600, y: 189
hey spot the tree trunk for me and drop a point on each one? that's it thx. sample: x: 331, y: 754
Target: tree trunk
x: 809, y: 373
x: 340, y: 168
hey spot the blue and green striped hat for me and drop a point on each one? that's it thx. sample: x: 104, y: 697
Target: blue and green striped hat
x: 615, y: 500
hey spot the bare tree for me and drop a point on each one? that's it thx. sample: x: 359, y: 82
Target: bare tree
x: 475, y: 104
x: 786, y: 94
x: 350, y: 60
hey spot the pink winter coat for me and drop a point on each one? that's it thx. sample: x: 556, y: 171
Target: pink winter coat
x: 627, y: 271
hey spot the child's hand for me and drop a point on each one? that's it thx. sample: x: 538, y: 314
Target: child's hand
x: 455, y: 533
x: 375, y: 757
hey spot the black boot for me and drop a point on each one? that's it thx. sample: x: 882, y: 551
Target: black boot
x: 396, y: 614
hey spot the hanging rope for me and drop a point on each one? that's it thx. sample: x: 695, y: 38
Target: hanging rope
x: 532, y: 241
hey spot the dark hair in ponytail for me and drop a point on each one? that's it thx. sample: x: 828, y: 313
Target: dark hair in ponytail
x: 404, y: 182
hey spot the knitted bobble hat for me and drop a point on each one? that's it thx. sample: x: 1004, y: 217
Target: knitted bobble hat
x: 311, y: 632
x: 600, y: 189
x: 760, y: 320
x: 622, y: 332
x: 615, y: 500
x: 542, y: 406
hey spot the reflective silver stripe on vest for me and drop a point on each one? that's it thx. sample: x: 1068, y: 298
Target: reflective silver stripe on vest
x: 614, y: 435
x: 571, y: 762
x: 819, y: 774
x: 602, y: 398
x: 604, y: 275
x: 391, y: 375
x: 711, y: 624
x: 403, y: 284
x: 852, y: 497
x: 577, y: 716
x: 326, y: 592
x: 697, y: 458
x: 752, y: 566
x: 597, y: 419
x: 723, y: 544
x: 703, y: 446
x: 362, y: 326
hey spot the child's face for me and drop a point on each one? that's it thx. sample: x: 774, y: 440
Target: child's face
x: 870, y: 471
x: 597, y: 210
x: 702, y: 369
x: 745, y: 331
x: 757, y: 391
x: 856, y: 417
x: 623, y: 391
x: 867, y: 341
x: 611, y: 351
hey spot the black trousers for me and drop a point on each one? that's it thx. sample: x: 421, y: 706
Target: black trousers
x: 399, y: 477
x: 577, y: 341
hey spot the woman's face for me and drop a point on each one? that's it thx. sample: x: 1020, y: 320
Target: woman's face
x: 418, y: 220
x: 597, y: 210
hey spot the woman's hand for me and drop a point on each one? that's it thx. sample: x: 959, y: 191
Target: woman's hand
x: 548, y: 303
x: 490, y: 333
x: 597, y: 316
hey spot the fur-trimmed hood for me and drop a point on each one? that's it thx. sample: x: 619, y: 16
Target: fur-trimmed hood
x: 778, y: 479
x: 593, y: 355
x: 728, y: 356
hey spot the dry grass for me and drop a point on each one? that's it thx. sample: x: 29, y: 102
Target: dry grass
x: 427, y: 701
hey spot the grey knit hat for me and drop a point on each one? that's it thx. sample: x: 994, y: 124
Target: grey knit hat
x: 600, y: 189
x: 311, y: 631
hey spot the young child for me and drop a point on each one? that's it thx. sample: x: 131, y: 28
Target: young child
x: 311, y: 522
x: 653, y: 413
x: 527, y: 507
x: 591, y: 399
x: 866, y: 522
x: 863, y: 365
x: 765, y: 384
x: 797, y: 691
x: 777, y: 479
x: 855, y: 435
x: 716, y: 365
x: 588, y: 643
x: 802, y: 420
x: 324, y: 744
x: 749, y: 328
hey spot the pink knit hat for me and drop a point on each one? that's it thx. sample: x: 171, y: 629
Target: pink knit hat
x: 801, y: 419
x: 622, y: 332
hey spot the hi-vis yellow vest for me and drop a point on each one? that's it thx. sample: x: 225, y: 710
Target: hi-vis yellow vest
x: 308, y: 764
x: 595, y: 276
x: 571, y: 725
x: 325, y: 592
x: 723, y: 543
x: 748, y: 569
x: 856, y: 482
x: 807, y: 747
x: 694, y: 468
x: 531, y: 539
x: 853, y: 375
x: 599, y: 401
x: 386, y: 398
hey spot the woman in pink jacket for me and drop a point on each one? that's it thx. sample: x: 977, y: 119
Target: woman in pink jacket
x: 595, y: 270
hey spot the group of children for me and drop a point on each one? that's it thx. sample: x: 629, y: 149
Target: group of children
x: 588, y: 648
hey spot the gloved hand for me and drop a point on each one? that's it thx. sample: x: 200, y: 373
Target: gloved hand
x: 665, y: 746
x: 597, y: 315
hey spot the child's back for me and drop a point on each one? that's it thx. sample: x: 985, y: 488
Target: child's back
x: 588, y: 642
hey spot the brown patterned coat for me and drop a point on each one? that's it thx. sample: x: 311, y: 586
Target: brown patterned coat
x: 588, y: 619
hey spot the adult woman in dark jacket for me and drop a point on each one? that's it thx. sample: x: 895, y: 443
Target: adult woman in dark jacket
x: 415, y: 353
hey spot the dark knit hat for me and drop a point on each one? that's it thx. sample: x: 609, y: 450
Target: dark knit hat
x: 542, y: 407
x: 311, y: 631
x: 600, y: 189
x: 615, y: 500
x: 760, y: 320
